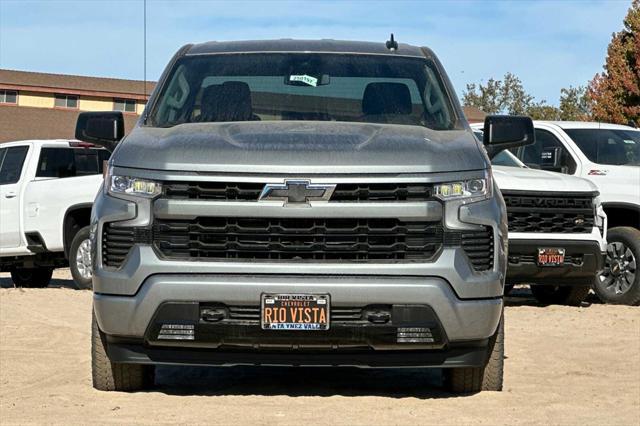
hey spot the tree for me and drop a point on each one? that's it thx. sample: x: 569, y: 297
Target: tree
x: 498, y: 96
x: 615, y: 93
x: 488, y: 97
x: 542, y: 111
x: 575, y: 104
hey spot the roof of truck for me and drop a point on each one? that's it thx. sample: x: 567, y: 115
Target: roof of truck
x: 290, y: 45
x: 585, y: 125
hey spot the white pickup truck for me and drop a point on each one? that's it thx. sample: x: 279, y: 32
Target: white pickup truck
x: 47, y: 188
x: 557, y: 235
x: 608, y: 155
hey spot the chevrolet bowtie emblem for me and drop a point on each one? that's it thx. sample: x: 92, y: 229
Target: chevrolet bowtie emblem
x: 296, y: 192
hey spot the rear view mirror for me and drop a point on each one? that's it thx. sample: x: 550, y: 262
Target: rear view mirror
x: 105, y: 129
x: 550, y: 158
x: 505, y: 131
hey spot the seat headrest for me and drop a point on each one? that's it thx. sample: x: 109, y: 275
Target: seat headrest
x: 230, y: 101
x: 386, y: 98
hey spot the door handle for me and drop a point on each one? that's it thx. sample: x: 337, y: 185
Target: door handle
x: 10, y: 194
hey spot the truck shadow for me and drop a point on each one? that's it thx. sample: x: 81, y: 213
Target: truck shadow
x: 300, y: 382
x: 5, y: 282
x: 521, y: 296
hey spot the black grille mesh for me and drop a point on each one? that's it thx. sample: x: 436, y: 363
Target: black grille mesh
x: 549, y: 213
x: 240, y: 191
x: 478, y: 245
x: 117, y: 241
x: 297, y: 239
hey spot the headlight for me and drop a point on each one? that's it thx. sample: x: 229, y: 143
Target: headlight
x: 127, y: 185
x: 478, y: 188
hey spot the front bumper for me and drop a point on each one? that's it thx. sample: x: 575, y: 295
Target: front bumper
x: 458, y: 334
x: 584, y: 259
x: 460, y: 320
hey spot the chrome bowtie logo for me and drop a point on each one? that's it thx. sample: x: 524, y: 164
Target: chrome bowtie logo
x: 296, y: 192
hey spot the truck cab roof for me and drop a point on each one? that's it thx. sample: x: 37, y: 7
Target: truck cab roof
x: 305, y: 46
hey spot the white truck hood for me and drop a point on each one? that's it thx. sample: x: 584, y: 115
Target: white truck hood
x: 524, y: 179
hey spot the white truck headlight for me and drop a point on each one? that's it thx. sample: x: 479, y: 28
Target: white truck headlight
x: 478, y: 188
x: 133, y: 186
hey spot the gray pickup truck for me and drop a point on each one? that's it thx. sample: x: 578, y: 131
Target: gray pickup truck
x: 302, y: 203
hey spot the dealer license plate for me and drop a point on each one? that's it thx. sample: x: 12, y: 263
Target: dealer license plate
x: 295, y: 311
x: 550, y: 256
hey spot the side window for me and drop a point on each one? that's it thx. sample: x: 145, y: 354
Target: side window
x: 56, y: 163
x: 548, y: 153
x: 11, y: 162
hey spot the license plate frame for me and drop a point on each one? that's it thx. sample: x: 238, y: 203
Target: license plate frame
x: 550, y: 256
x: 298, y: 308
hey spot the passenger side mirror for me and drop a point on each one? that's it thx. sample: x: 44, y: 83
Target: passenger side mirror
x: 105, y: 129
x: 505, y: 131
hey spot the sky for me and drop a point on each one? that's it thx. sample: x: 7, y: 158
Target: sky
x: 547, y: 44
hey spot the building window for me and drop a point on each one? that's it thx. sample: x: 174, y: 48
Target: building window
x: 8, y: 97
x: 124, y: 105
x: 66, y: 101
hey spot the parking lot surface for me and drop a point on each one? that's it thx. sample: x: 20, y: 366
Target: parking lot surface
x: 564, y: 366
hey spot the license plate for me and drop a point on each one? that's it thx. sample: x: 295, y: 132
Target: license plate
x: 550, y: 256
x: 295, y: 311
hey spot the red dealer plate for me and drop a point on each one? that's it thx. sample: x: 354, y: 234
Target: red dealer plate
x: 295, y: 312
x: 551, y: 256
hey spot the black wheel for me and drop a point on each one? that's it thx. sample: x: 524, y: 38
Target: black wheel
x: 560, y: 295
x: 80, y: 259
x: 31, y: 277
x: 111, y: 376
x: 619, y: 283
x: 476, y: 379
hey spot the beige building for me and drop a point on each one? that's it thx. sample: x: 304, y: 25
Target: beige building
x: 45, y: 106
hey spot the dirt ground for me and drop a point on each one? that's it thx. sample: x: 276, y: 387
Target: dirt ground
x: 564, y: 366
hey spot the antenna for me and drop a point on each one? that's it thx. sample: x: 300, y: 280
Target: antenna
x: 391, y: 44
x: 145, y: 46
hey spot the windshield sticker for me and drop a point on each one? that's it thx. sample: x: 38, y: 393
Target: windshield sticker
x: 306, y: 79
x: 629, y: 141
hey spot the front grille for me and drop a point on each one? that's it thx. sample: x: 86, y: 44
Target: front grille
x: 116, y: 244
x: 478, y: 245
x: 118, y: 241
x: 381, y: 192
x: 209, y: 238
x: 249, y: 191
x: 549, y: 213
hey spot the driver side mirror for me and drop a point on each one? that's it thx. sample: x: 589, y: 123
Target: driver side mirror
x: 105, y: 129
x: 505, y: 131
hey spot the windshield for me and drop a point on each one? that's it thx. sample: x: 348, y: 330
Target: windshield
x: 506, y: 158
x: 304, y: 86
x: 608, y: 146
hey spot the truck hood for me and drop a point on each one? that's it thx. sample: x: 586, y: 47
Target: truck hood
x: 299, y: 147
x: 521, y: 179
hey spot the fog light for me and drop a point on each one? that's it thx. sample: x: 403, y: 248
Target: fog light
x: 177, y: 332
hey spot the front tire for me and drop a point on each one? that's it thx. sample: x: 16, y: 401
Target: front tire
x: 476, y: 379
x: 80, y: 259
x: 31, y: 277
x: 560, y: 295
x: 619, y: 283
x: 111, y: 376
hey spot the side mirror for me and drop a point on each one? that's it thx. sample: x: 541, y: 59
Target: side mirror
x: 505, y: 131
x: 105, y: 129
